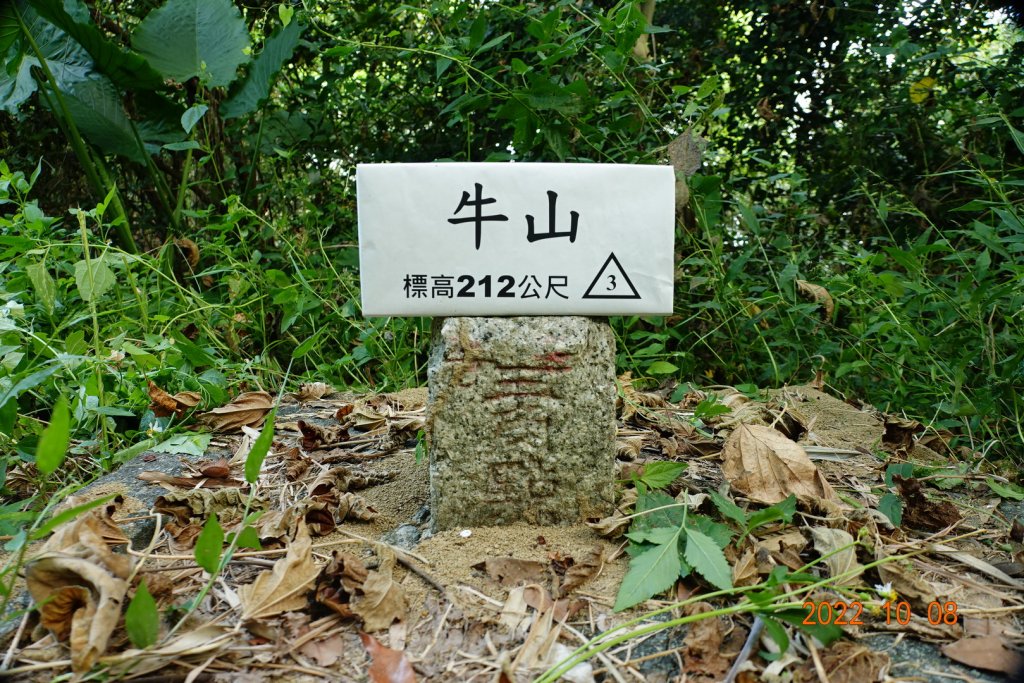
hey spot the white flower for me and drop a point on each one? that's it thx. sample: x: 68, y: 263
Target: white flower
x: 885, y: 590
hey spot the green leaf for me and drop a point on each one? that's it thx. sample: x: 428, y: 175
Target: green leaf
x: 707, y: 559
x: 248, y: 538
x: 728, y: 508
x: 182, y: 146
x: 43, y: 284
x: 891, y: 506
x: 650, y: 573
x: 285, y: 13
x: 902, y: 469
x: 1008, y: 490
x: 783, y: 510
x: 53, y: 443
x: 185, y: 444
x: 826, y: 633
x: 67, y: 61
x: 93, y: 278
x: 29, y: 381
x: 254, y: 89
x: 209, y: 544
x: 97, y: 110
x: 187, y: 38
x: 260, y: 447
x: 659, y: 474
x: 661, y: 367
x: 776, y: 632
x: 69, y: 514
x: 142, y: 618
x: 124, y: 67
x: 192, y: 115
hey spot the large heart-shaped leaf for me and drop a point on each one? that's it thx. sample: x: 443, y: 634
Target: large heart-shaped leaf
x: 124, y: 67
x: 188, y: 38
x: 96, y: 108
x: 256, y: 86
x: 65, y: 58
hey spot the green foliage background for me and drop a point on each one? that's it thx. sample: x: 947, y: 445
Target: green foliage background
x: 187, y: 216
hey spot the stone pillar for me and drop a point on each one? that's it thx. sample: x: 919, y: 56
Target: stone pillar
x: 521, y: 420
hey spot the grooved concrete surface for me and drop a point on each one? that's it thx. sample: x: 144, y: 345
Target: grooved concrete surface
x: 521, y: 420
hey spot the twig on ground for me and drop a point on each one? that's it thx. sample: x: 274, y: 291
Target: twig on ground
x: 748, y: 646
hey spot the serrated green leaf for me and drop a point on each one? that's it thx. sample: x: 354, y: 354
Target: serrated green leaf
x: 650, y: 573
x: 728, y: 508
x: 142, y: 618
x: 183, y: 39
x: 209, y: 545
x: 93, y: 278
x: 721, y: 534
x: 53, y: 443
x: 255, y: 87
x: 660, y: 473
x: 260, y: 447
x: 704, y: 555
x: 43, y: 285
x: 657, y: 536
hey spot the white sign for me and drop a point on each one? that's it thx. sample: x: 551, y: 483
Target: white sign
x: 515, y: 239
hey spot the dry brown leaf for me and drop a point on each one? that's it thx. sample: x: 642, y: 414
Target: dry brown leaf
x: 207, y: 482
x: 383, y: 600
x: 246, y: 410
x: 744, y: 571
x: 199, y: 642
x: 921, y: 513
x: 315, y: 436
x: 80, y: 585
x: 164, y: 405
x: 351, y: 506
x: 339, y: 581
x: 905, y: 580
x: 281, y: 524
x: 828, y: 542
x: 992, y: 653
x: 584, y: 570
x: 703, y: 659
x: 188, y: 250
x: 766, y: 466
x: 312, y: 391
x: 325, y: 652
x: 389, y: 666
x: 283, y: 588
x: 509, y: 571
x: 818, y: 294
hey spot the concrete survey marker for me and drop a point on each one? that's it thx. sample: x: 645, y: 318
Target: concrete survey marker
x: 521, y: 414
x: 515, y: 239
x: 521, y: 420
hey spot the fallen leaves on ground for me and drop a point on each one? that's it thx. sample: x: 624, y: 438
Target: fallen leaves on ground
x: 79, y: 584
x: 766, y: 466
x: 245, y: 410
x: 387, y: 665
x: 164, y: 405
x: 284, y: 588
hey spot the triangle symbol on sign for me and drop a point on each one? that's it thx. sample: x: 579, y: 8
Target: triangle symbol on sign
x: 614, y: 283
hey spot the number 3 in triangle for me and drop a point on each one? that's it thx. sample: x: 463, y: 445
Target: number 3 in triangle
x: 611, y: 282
